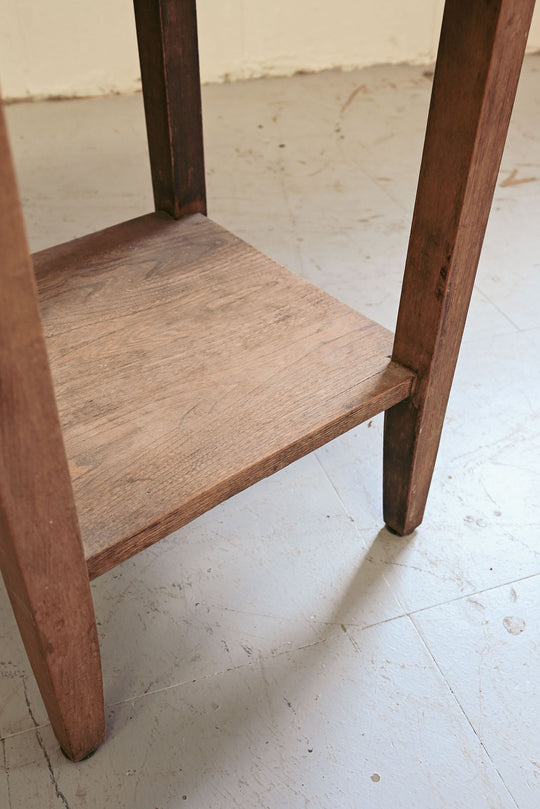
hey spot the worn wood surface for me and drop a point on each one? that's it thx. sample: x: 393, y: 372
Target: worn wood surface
x: 41, y: 553
x: 187, y: 366
x: 480, y: 56
x: 168, y: 54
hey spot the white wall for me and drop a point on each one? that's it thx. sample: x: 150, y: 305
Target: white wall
x: 88, y: 47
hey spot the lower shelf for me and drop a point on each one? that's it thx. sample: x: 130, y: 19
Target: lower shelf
x: 187, y: 366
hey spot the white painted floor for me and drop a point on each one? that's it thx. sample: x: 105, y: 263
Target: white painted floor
x: 285, y: 650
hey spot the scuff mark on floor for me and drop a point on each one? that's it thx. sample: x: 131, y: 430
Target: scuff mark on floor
x: 289, y: 704
x: 513, y: 179
x: 360, y: 89
x: 514, y: 626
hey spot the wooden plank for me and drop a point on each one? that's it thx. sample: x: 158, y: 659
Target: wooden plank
x: 480, y: 56
x: 187, y: 366
x: 41, y: 553
x: 168, y: 55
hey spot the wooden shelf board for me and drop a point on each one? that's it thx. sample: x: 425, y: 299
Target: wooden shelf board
x: 187, y: 366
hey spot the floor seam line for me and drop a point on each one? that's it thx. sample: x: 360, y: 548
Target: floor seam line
x: 213, y: 674
x: 410, y: 613
x: 461, y: 708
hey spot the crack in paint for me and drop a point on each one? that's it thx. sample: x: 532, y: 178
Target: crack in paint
x: 59, y: 794
x: 6, y: 768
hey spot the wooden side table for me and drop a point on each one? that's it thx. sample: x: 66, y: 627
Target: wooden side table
x: 153, y: 369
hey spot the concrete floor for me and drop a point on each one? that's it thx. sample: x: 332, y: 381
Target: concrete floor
x: 284, y: 650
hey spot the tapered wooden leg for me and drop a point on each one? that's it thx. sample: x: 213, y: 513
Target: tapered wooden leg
x: 57, y: 625
x: 478, y: 65
x: 169, y: 58
x: 41, y: 553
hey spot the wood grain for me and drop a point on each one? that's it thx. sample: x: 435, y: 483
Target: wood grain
x: 187, y: 366
x: 168, y: 55
x: 480, y: 56
x: 41, y: 553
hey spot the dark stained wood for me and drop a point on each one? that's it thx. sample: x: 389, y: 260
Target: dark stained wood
x: 187, y: 366
x: 41, y: 553
x: 480, y: 55
x: 168, y: 54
